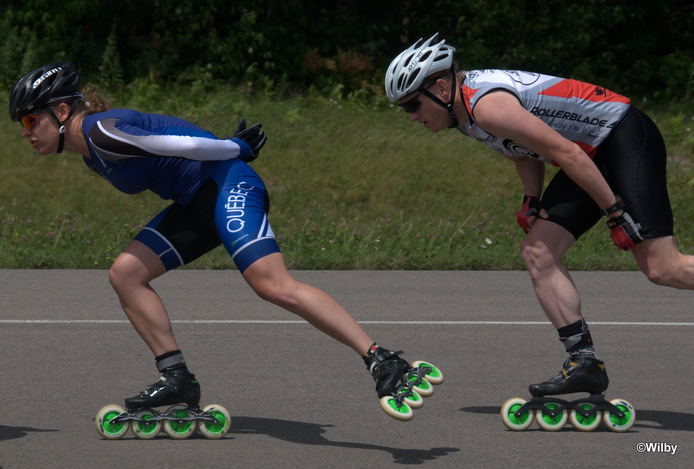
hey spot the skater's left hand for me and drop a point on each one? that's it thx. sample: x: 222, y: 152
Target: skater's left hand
x: 253, y: 136
x: 529, y: 212
x: 625, y: 232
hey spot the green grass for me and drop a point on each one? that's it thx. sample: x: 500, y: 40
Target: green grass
x: 353, y: 185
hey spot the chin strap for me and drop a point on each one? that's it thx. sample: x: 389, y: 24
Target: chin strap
x: 61, y: 132
x: 61, y: 141
x: 449, y: 104
x: 61, y: 125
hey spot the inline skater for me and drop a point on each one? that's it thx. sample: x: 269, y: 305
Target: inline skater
x: 612, y: 159
x: 217, y: 198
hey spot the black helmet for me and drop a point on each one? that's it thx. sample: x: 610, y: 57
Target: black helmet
x: 37, y: 89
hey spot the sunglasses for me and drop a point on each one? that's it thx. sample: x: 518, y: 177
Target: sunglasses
x: 411, y: 105
x: 29, y: 121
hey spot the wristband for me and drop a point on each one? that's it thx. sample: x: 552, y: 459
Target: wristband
x: 618, y: 205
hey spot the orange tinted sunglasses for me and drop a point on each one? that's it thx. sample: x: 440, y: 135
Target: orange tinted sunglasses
x: 29, y: 121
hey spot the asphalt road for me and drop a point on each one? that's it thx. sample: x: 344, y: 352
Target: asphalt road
x: 299, y: 399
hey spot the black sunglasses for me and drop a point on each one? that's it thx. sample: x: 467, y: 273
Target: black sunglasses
x: 411, y: 105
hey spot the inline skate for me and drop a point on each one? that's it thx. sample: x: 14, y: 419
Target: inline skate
x: 401, y: 387
x: 180, y: 391
x: 578, y: 375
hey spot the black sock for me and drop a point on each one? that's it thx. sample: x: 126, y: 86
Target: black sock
x: 577, y: 340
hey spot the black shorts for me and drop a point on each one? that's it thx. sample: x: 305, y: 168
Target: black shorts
x: 230, y: 208
x: 633, y: 161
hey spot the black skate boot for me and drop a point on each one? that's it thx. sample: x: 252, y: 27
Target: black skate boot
x: 172, y: 388
x: 580, y: 374
x: 387, y: 369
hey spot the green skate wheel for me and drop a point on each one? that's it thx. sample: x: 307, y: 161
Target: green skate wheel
x: 508, y: 415
x: 434, y: 376
x: 585, y: 424
x: 179, y: 429
x: 215, y: 431
x: 424, y: 388
x: 415, y: 400
x: 402, y: 412
x: 549, y: 423
x: 103, y: 422
x: 616, y: 424
x: 145, y: 430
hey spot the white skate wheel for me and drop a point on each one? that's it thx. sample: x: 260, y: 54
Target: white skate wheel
x: 548, y: 423
x: 424, y: 388
x: 616, y: 424
x: 390, y: 407
x: 145, y: 430
x: 582, y: 423
x: 415, y: 400
x: 179, y: 429
x: 215, y: 431
x: 103, y: 422
x: 435, y: 376
x: 508, y: 415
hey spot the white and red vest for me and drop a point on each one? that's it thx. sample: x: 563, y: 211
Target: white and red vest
x: 579, y: 111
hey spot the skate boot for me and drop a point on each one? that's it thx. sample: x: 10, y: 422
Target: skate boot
x: 401, y: 387
x: 580, y: 374
x: 387, y: 369
x: 172, y: 388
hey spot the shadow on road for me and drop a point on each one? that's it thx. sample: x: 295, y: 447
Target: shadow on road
x: 11, y: 433
x: 312, y: 434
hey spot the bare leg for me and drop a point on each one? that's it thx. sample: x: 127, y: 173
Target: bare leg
x: 663, y: 264
x: 130, y: 275
x: 271, y: 281
x: 542, y: 252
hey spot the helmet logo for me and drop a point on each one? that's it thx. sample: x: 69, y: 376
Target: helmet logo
x: 414, y: 61
x: 43, y: 77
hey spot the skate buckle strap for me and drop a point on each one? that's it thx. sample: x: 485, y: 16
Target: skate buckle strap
x: 379, y: 357
x: 169, y: 361
x: 163, y: 382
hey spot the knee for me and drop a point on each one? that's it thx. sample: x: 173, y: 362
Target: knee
x: 536, y: 257
x: 661, y: 273
x: 123, y: 274
x: 278, y: 293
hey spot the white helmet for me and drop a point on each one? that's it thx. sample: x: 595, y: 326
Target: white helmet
x: 407, y: 71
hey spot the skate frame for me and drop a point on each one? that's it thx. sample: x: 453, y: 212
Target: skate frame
x: 598, y: 401
x: 196, y: 414
x: 404, y: 390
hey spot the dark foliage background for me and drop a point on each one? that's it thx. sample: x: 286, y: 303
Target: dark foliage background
x: 643, y: 49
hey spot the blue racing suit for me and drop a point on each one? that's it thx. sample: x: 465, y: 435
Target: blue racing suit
x: 217, y: 197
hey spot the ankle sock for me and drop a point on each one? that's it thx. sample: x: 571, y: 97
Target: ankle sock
x: 171, y: 361
x: 577, y: 340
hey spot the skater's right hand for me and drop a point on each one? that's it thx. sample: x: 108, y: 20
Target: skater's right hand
x: 253, y: 137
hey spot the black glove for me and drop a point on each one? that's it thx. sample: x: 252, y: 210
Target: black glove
x: 253, y: 136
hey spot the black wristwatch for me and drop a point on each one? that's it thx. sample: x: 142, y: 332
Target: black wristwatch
x: 618, y: 205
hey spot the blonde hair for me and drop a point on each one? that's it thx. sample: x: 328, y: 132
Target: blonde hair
x: 93, y: 102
